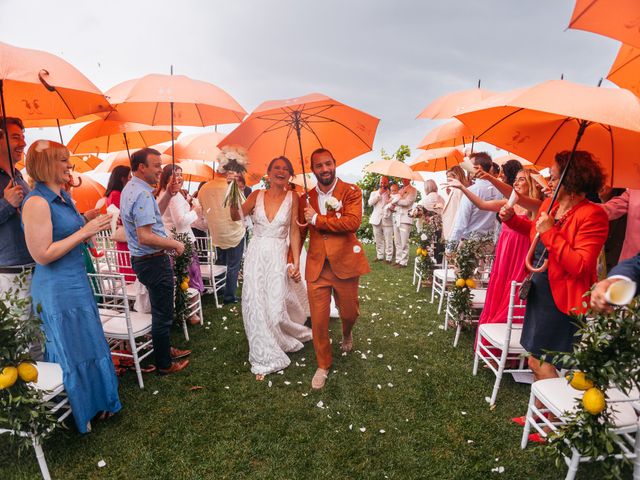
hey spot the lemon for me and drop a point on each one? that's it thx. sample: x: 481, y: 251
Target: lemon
x: 580, y: 381
x: 28, y: 372
x: 424, y: 252
x: 8, y: 377
x: 469, y: 282
x: 593, y: 401
x: 419, y: 251
x: 184, y: 286
x: 460, y: 282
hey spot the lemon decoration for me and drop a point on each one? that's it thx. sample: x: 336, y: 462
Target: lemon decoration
x: 460, y: 283
x: 580, y: 381
x: 419, y: 251
x: 8, y: 377
x: 184, y: 285
x: 470, y: 282
x: 28, y: 372
x: 593, y: 401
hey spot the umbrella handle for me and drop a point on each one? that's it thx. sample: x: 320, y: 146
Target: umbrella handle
x: 529, y: 258
x: 46, y: 84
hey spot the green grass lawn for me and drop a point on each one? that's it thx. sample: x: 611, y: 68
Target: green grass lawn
x: 403, y: 405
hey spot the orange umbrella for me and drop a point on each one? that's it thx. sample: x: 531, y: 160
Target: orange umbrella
x: 393, y: 168
x: 505, y: 158
x: 618, y: 19
x: 87, y: 193
x: 196, y: 171
x: 625, y: 71
x: 117, y: 159
x: 197, y: 146
x: 453, y: 103
x: 37, y: 86
x: 437, y: 159
x: 310, y: 179
x: 295, y: 127
x: 538, y: 122
x: 84, y: 163
x: 114, y: 135
x: 451, y: 134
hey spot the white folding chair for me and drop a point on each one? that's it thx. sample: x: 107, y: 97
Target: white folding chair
x: 119, y: 323
x: 56, y: 402
x: 417, y: 273
x: 117, y: 260
x: 504, y: 337
x: 214, y: 276
x: 558, y: 397
x: 441, y: 278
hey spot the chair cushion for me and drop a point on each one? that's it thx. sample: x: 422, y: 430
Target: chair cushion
x: 495, y: 334
x: 107, y: 314
x: 207, y: 271
x: 478, y: 297
x: 140, y: 324
x: 49, y: 376
x: 560, y: 397
x: 440, y: 273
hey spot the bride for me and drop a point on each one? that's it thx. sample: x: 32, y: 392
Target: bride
x: 270, y: 284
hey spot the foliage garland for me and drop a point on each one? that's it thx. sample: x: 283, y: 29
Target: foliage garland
x: 606, y: 356
x: 181, y: 265
x: 21, y: 404
x: 429, y: 240
x: 466, y: 259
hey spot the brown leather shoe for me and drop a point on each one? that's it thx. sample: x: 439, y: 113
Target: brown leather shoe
x: 175, y: 367
x: 176, y: 354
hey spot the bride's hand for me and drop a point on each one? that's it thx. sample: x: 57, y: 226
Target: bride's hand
x: 294, y: 273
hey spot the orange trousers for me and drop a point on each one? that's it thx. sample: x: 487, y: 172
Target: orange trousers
x: 346, y: 294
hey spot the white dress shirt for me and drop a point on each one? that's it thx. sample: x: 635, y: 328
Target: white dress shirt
x: 322, y: 200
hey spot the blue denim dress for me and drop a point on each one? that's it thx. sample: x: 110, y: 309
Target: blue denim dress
x: 70, y: 320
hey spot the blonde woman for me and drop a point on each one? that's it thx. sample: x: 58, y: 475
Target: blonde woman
x: 55, y: 232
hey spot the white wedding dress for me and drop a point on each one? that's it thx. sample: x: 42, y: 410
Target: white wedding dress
x: 274, y: 307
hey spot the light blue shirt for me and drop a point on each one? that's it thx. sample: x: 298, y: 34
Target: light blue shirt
x: 138, y: 208
x: 470, y: 219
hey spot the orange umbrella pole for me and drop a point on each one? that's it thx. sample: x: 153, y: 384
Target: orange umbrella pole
x: 532, y: 249
x: 59, y: 131
x: 6, y: 130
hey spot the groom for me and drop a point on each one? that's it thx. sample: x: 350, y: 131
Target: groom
x: 335, y: 259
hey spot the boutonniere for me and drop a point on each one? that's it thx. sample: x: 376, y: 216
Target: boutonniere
x: 332, y: 204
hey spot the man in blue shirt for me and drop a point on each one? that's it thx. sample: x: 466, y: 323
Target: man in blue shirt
x: 147, y: 239
x: 14, y: 256
x: 470, y: 219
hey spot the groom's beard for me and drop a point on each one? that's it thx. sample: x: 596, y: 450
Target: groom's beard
x: 327, y: 180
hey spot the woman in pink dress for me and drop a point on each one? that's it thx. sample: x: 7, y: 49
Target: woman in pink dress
x: 512, y: 246
x: 118, y: 179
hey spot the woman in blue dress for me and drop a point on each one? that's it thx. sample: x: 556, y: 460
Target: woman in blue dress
x: 61, y: 293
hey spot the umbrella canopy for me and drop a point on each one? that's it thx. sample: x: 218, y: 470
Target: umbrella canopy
x: 625, y: 71
x: 38, y: 86
x: 84, y: 163
x: 196, y: 171
x: 618, y: 19
x: 437, y: 159
x: 150, y: 100
x: 87, y: 193
x: 451, y: 134
x: 453, y: 103
x: 393, y: 168
x: 197, y: 146
x: 505, y: 158
x: 540, y: 121
x: 117, y: 159
x: 114, y: 135
x: 297, y: 126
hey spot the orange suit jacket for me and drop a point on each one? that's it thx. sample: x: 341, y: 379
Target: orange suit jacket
x: 333, y: 237
x: 573, y: 252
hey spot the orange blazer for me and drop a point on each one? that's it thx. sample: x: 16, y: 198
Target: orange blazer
x: 333, y: 237
x: 573, y: 250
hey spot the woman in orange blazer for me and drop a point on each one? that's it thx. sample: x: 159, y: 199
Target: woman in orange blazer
x: 573, y: 235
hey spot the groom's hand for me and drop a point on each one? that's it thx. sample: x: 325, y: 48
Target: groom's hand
x: 309, y: 213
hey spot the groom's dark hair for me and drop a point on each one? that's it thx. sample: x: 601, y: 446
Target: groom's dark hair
x: 318, y: 151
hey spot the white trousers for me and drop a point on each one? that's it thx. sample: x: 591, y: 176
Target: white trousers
x: 383, y: 236
x: 401, y: 234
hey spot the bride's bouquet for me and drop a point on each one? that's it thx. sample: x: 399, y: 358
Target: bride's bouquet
x: 233, y: 159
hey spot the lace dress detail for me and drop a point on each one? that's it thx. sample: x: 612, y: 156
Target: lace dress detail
x: 273, y: 307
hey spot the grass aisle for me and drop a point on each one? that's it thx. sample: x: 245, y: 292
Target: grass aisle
x: 404, y: 405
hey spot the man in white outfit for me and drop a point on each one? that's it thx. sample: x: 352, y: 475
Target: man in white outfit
x: 382, y: 224
x: 403, y: 222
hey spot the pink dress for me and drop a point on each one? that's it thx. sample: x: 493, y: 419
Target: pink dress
x: 508, y: 265
x: 129, y: 274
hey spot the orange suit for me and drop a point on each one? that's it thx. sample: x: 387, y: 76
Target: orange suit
x: 335, y: 261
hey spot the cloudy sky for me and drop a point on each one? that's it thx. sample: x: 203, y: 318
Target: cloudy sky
x: 389, y: 58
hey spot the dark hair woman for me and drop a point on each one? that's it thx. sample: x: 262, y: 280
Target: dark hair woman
x: 118, y: 179
x: 571, y: 238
